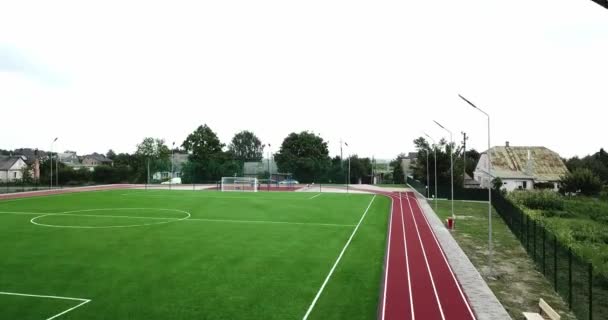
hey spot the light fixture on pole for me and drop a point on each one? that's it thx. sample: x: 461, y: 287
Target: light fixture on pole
x: 451, y: 165
x: 434, y: 156
x: 51, y: 160
x: 489, y: 164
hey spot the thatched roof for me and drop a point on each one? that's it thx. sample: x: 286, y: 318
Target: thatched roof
x: 538, y: 163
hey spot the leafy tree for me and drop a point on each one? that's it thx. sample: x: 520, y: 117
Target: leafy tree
x: 203, y: 144
x: 443, y: 149
x: 582, y: 181
x: 111, y: 154
x: 398, y: 176
x: 497, y: 183
x: 153, y: 152
x: 472, y: 159
x: 246, y: 146
x: 303, y: 154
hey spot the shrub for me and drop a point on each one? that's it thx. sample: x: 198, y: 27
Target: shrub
x: 538, y: 200
x: 582, y: 181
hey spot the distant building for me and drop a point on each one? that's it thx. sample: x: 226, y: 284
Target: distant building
x: 407, y: 162
x: 258, y: 168
x: 178, y: 160
x: 95, y: 159
x: 12, y: 167
x: 521, y: 167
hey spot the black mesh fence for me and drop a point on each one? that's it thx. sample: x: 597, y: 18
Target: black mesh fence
x: 584, y: 290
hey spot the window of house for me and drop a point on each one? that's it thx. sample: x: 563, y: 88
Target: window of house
x: 525, y: 184
x: 15, y: 175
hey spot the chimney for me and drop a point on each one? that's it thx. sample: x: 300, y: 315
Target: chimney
x: 507, y: 144
x: 529, y: 165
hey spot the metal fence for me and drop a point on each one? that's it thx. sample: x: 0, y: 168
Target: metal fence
x: 18, y: 186
x: 445, y: 192
x: 577, y: 282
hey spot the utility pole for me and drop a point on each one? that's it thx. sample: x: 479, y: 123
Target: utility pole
x: 464, y: 156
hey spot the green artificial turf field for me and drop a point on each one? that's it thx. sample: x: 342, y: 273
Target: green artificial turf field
x: 135, y: 254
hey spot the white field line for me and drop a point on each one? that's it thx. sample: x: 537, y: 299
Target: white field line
x: 272, y: 222
x: 428, y: 268
x: 407, y: 260
x: 314, y: 196
x: 181, y: 219
x: 314, y: 301
x: 82, y: 301
x: 446, y: 262
x: 388, y: 258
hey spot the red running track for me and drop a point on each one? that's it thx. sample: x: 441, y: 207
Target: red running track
x: 418, y: 281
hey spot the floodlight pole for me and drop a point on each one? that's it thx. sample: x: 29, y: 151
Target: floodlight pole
x: 435, y: 157
x: 427, y: 173
x: 51, y: 159
x: 489, y: 163
x: 171, y: 178
x: 451, y: 165
x: 348, y: 176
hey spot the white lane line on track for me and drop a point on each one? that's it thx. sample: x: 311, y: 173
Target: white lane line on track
x: 446, y: 262
x: 352, y: 235
x: 407, y: 261
x: 426, y: 260
x: 388, y: 256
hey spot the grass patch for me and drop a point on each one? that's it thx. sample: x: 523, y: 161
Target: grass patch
x: 238, y: 256
x: 518, y: 284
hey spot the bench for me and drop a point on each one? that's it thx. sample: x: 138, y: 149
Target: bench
x: 544, y: 309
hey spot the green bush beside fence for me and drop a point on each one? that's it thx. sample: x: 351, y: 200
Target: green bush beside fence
x: 584, y: 289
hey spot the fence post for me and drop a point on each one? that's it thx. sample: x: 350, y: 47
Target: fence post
x: 570, y: 278
x: 544, y: 256
x: 555, y: 262
x: 534, y: 239
x: 590, y: 291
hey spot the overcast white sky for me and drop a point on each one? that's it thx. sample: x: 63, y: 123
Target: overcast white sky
x: 375, y: 73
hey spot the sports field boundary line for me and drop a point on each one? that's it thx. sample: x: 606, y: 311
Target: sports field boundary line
x: 331, y: 271
x: 315, y: 196
x: 388, y: 257
x: 178, y: 219
x: 81, y: 300
x: 426, y: 260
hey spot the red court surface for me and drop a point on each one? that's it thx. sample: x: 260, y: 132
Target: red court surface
x: 418, y: 281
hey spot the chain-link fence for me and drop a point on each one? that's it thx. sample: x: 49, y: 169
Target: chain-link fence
x: 578, y: 283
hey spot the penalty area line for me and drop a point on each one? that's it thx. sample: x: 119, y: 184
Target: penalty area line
x: 314, y: 196
x: 82, y: 301
x: 333, y: 268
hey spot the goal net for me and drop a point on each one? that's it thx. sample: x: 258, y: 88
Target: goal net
x: 239, y: 184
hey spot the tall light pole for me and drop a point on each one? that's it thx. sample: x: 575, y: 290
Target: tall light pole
x: 451, y: 165
x: 171, y: 178
x: 435, y: 157
x: 348, y: 177
x: 51, y: 159
x: 489, y: 164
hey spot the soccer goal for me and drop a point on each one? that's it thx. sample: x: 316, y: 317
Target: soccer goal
x: 240, y: 184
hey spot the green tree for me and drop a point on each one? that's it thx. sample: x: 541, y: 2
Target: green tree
x: 111, y: 154
x: 203, y: 144
x: 303, y: 154
x: 153, y: 152
x: 246, y: 146
x: 582, y: 181
x: 396, y: 164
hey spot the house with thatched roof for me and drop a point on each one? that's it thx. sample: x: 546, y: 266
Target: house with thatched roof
x: 521, y: 167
